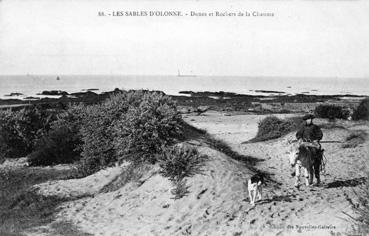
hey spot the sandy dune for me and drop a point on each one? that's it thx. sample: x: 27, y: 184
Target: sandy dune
x: 217, y: 203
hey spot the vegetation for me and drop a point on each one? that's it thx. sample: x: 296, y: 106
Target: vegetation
x: 179, y: 162
x: 131, y: 173
x: 272, y: 127
x: 133, y: 126
x: 331, y: 112
x: 180, y: 189
x: 20, y: 130
x: 21, y: 209
x: 58, y: 146
x: 129, y: 126
x: 61, y: 142
x: 354, y: 139
x: 151, y: 122
x: 362, y: 111
x: 361, y: 209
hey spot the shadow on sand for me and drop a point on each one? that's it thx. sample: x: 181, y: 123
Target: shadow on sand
x: 249, y: 161
x: 347, y: 183
x: 278, y: 198
x: 193, y: 133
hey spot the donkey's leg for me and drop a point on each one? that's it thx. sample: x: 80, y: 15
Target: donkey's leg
x: 311, y: 174
x: 307, y: 176
x: 297, y: 176
x: 250, y: 197
x: 317, y: 171
x: 253, y: 197
x: 260, y: 193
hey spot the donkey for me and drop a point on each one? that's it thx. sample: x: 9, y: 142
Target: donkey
x: 302, y: 158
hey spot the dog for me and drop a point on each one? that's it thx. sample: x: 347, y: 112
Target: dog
x: 255, y: 187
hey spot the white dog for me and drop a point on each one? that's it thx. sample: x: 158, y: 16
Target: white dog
x: 255, y: 188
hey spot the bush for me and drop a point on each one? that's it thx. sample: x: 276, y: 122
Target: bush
x: 331, y: 112
x: 98, y: 131
x: 128, y: 126
x: 20, y: 130
x: 62, y: 143
x: 272, y: 127
x: 362, y: 111
x: 177, y: 163
x: 146, y: 127
x: 11, y: 143
x: 354, y: 139
x: 97, y: 137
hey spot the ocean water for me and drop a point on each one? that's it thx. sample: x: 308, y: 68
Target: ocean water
x: 30, y: 85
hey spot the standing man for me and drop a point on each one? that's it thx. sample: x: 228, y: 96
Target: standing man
x: 311, y: 134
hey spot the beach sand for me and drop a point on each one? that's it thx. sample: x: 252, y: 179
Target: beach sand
x: 218, y: 203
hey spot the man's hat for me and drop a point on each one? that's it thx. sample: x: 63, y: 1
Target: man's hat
x: 308, y: 116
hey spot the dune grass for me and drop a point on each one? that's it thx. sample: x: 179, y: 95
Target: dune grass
x: 21, y: 208
x: 360, y: 206
x: 131, y: 173
x: 67, y: 228
x: 356, y: 138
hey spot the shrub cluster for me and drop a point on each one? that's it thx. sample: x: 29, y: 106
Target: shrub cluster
x: 20, y: 130
x: 331, y: 112
x: 179, y: 162
x: 60, y: 145
x: 362, y: 111
x: 272, y: 127
x: 62, y: 142
x: 354, y: 139
x: 129, y: 126
x: 151, y: 122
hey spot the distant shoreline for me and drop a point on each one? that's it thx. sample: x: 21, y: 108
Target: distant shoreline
x: 30, y: 85
x: 221, y: 101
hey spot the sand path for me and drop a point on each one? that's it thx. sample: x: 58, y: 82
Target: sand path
x: 286, y: 210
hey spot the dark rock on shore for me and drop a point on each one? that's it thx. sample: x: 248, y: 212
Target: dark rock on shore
x: 268, y: 91
x: 91, y: 89
x: 81, y: 94
x: 13, y: 94
x: 53, y: 93
x: 31, y: 98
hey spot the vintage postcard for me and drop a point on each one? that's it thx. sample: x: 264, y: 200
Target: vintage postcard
x: 184, y: 117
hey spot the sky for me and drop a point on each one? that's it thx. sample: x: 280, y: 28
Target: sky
x: 304, y: 38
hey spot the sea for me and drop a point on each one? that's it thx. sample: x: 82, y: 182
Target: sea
x: 31, y: 85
